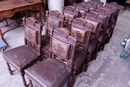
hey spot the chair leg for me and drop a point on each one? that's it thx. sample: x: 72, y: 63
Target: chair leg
x: 23, y: 78
x: 94, y: 54
x: 72, y: 80
x: 102, y: 47
x: 85, y: 65
x: 35, y: 15
x: 9, y: 68
x: 6, y: 22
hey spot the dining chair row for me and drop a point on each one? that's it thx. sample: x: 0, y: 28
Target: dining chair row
x: 72, y: 39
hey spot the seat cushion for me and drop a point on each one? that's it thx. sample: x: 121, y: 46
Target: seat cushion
x: 48, y: 73
x: 79, y: 58
x: 45, y: 41
x: 20, y: 56
x: 101, y: 36
x: 92, y: 46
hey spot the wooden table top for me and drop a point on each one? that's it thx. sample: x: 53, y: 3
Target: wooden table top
x: 11, y: 4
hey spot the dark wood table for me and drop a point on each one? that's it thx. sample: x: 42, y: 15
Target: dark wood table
x: 9, y: 7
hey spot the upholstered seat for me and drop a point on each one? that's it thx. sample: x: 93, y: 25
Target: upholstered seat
x: 21, y: 56
x: 45, y: 41
x: 79, y: 58
x: 92, y: 46
x: 52, y: 73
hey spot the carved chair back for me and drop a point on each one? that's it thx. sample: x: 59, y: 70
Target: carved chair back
x: 53, y: 20
x: 82, y: 31
x: 111, y: 10
x: 82, y: 8
x: 117, y: 8
x: 62, y: 46
x: 93, y: 17
x: 103, y: 14
x: 92, y: 6
x: 70, y: 13
x: 32, y: 31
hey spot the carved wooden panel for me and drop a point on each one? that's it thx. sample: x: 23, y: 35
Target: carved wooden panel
x: 70, y: 11
x: 60, y: 49
x: 54, y: 20
x: 95, y: 24
x: 53, y: 24
x: 80, y: 34
x: 30, y: 35
x: 54, y: 13
x: 32, y: 30
x: 64, y: 35
x: 82, y: 8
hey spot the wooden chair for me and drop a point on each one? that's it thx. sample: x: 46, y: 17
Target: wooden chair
x: 94, y: 18
x: 53, y: 20
x: 113, y: 18
x: 25, y: 55
x: 70, y: 13
x: 82, y: 8
x: 82, y: 31
x: 63, y: 61
x: 117, y: 8
x: 103, y: 33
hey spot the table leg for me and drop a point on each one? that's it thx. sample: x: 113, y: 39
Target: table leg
x: 0, y: 33
x: 41, y: 10
x: 44, y: 3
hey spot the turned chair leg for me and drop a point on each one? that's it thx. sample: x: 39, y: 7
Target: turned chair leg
x: 9, y: 68
x: 72, y: 80
x: 23, y: 78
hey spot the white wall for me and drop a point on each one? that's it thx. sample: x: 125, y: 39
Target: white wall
x: 55, y: 5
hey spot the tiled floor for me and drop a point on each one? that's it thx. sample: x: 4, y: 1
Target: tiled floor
x: 108, y: 70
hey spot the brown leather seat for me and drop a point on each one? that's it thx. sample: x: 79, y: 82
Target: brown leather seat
x: 24, y: 56
x: 79, y: 58
x: 53, y: 73
x: 20, y: 56
x: 61, y: 64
